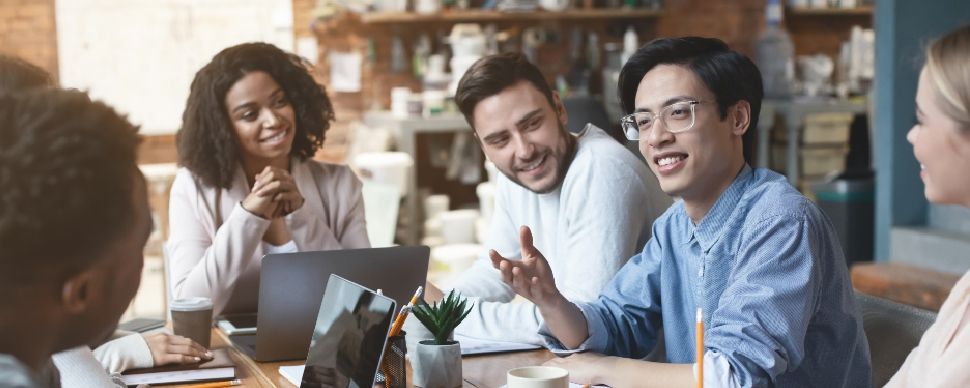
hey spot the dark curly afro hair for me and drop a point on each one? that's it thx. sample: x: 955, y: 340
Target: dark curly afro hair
x: 207, y: 143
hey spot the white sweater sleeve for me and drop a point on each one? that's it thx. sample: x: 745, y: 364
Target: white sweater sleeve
x: 608, y: 211
x: 79, y: 369
x: 205, y: 265
x: 121, y: 354
x: 492, y: 316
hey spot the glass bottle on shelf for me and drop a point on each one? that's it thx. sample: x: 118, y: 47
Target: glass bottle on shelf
x: 775, y: 54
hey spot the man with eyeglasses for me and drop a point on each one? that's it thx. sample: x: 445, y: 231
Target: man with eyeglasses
x: 761, y: 260
x: 591, y: 198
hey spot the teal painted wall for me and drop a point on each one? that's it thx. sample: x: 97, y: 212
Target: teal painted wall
x: 903, y: 27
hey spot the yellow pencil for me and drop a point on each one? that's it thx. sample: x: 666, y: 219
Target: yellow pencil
x: 399, y: 322
x: 700, y: 348
x: 219, y: 384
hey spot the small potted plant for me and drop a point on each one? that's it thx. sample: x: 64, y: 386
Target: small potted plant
x: 437, y: 362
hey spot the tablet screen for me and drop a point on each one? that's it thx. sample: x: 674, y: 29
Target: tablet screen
x: 349, y: 337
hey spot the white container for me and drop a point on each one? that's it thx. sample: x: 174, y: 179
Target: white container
x: 437, y: 366
x: 432, y: 228
x: 492, y: 172
x: 399, y: 100
x: 455, y: 258
x: 427, y: 6
x: 538, y: 377
x: 467, y: 40
x: 486, y: 199
x: 554, y: 5
x: 434, y: 102
x: 435, y: 204
x: 458, y: 226
x: 385, y: 167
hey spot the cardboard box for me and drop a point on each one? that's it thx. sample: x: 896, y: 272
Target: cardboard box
x: 818, y: 160
x: 821, y: 128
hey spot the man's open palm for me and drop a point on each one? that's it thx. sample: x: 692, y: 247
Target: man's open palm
x: 531, y: 276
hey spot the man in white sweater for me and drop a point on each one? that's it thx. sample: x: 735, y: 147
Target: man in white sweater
x: 590, y: 199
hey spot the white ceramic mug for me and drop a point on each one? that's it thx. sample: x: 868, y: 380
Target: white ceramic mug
x: 538, y: 377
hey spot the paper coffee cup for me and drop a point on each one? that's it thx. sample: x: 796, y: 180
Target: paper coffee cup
x: 192, y: 318
x: 538, y: 377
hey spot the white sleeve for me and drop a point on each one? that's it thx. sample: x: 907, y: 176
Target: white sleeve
x: 717, y: 371
x: 493, y: 316
x: 205, y: 265
x: 607, y: 210
x: 121, y: 354
x: 78, y: 368
x: 287, y: 247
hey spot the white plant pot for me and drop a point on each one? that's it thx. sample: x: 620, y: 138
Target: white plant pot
x: 437, y: 366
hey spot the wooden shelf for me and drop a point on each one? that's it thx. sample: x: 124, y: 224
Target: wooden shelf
x: 498, y: 16
x: 858, y: 11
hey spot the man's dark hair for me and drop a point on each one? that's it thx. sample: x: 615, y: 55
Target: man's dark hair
x: 493, y: 74
x: 17, y: 75
x: 207, y: 142
x: 731, y: 76
x: 67, y: 168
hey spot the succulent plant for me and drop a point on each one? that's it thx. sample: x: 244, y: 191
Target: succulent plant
x: 441, y: 318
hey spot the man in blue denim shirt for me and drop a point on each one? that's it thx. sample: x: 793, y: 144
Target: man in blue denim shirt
x: 761, y: 260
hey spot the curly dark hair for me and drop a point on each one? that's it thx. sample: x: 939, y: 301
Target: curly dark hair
x: 66, y: 168
x: 18, y: 75
x: 207, y: 143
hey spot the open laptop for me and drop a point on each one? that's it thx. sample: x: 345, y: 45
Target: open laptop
x: 349, y: 337
x: 293, y: 284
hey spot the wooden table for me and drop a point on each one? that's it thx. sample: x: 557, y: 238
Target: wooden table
x: 486, y: 371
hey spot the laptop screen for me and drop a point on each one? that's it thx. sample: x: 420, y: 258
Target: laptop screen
x: 349, y: 337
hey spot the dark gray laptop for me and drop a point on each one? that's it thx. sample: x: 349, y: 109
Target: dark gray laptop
x: 292, y: 286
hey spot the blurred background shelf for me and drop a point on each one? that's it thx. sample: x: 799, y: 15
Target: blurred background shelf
x: 857, y: 11
x: 498, y: 16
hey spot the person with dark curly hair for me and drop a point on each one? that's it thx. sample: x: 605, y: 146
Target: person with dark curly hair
x: 74, y: 219
x: 124, y: 350
x: 248, y: 186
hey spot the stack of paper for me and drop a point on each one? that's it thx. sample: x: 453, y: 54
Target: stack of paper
x: 471, y: 346
x: 293, y: 374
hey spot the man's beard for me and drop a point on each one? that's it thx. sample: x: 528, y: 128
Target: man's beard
x: 563, y: 160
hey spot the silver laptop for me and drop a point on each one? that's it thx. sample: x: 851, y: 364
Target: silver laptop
x: 292, y: 286
x: 349, y: 337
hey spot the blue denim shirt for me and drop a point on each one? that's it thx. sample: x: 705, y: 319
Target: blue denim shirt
x: 766, y: 266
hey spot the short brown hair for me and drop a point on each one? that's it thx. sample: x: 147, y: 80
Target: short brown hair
x: 493, y: 74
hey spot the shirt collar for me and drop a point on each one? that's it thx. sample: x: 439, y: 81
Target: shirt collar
x: 712, y: 225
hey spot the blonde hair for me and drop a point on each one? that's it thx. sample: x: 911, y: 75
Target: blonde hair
x: 948, y: 66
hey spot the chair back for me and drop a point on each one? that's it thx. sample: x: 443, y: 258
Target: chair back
x: 585, y: 109
x: 893, y: 330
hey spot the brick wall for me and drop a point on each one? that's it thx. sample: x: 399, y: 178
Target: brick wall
x: 27, y: 30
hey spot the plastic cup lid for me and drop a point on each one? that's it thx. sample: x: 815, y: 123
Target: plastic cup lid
x: 191, y: 304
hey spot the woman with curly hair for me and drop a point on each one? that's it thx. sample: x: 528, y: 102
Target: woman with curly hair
x: 248, y: 186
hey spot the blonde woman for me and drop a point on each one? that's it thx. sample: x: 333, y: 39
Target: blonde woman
x: 941, y: 143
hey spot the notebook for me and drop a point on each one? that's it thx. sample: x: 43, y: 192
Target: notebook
x: 220, y: 368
